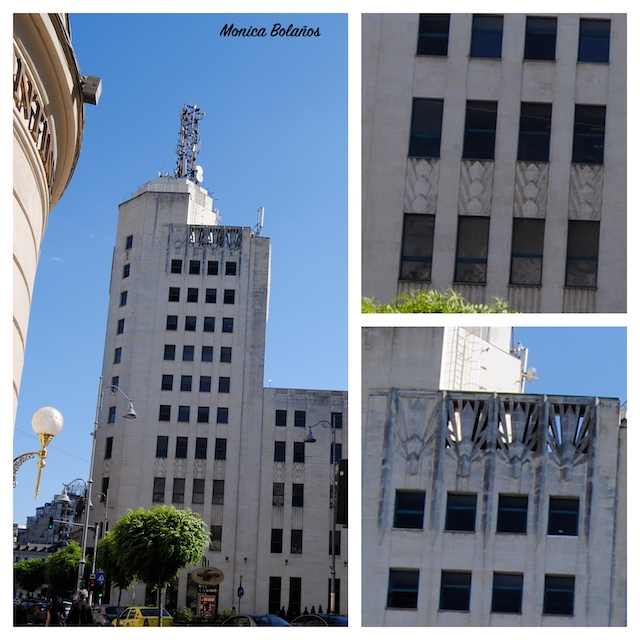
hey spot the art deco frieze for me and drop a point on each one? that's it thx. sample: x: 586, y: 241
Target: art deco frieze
x: 531, y: 188
x: 476, y: 187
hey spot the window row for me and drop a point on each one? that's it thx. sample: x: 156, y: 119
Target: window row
x: 512, y: 513
x: 295, y: 597
x: 182, y: 443
x: 210, y: 295
x: 300, y: 419
x: 527, y: 243
x: 184, y: 414
x: 534, y: 135
x: 506, y: 596
x: 186, y: 383
x: 296, y: 541
x: 539, y: 41
x: 280, y: 452
x: 191, y: 324
x: 212, y: 267
x: 188, y: 353
x: 197, y: 491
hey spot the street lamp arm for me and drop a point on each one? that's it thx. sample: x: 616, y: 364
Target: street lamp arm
x: 20, y: 460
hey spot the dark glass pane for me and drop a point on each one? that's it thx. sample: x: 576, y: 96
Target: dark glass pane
x: 433, y: 34
x: 512, y: 514
x: 582, y: 253
x: 540, y: 39
x: 409, y: 510
x: 507, y: 593
x: 473, y: 247
x: 526, y: 251
x: 403, y: 588
x: 535, y: 132
x: 461, y: 512
x: 558, y: 595
x: 455, y: 591
x: 417, y: 247
x: 426, y: 128
x: 563, y: 516
x: 594, y: 40
x: 480, y: 130
x: 486, y: 37
x: 588, y: 134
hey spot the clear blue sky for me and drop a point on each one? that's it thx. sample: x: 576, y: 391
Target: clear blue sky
x: 274, y: 135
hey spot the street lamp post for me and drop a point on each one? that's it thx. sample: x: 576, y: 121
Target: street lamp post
x: 334, y: 480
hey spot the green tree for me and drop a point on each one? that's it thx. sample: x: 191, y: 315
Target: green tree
x: 29, y: 574
x: 155, y: 544
x: 120, y: 574
x: 62, y: 569
x: 431, y: 301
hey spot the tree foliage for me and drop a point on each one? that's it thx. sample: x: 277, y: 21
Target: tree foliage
x: 62, y: 569
x: 431, y: 301
x: 29, y: 574
x: 108, y: 558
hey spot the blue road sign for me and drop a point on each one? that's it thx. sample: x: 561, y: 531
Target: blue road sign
x: 240, y: 592
x: 100, y: 576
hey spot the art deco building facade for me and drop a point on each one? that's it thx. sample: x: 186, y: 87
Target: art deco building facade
x: 186, y: 340
x: 494, y: 158
x: 483, y: 505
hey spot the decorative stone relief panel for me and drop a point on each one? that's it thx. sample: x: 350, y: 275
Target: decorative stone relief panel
x: 585, y: 191
x: 421, y: 185
x: 219, y: 468
x: 216, y: 237
x: 179, y: 465
x: 160, y: 470
x: 519, y: 433
x: 107, y: 467
x: 199, y: 468
x: 278, y: 471
x: 177, y: 237
x: 297, y: 474
x: 476, y: 187
x: 531, y: 188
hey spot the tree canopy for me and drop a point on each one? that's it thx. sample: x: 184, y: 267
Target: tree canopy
x: 62, y: 569
x: 431, y: 301
x: 29, y: 574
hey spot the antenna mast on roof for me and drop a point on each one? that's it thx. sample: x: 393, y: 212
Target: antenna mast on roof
x: 189, y: 144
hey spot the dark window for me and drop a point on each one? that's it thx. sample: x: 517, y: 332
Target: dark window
x: 588, y: 134
x: 128, y: 243
x: 215, y: 543
x: 540, y: 39
x: 108, y: 447
x: 417, y: 247
x: 176, y: 266
x: 105, y: 486
x: 190, y: 323
x: 205, y: 384
x: 209, y: 324
x: 221, y: 449
x: 218, y: 492
x: 115, y: 382
x: 594, y: 40
x: 535, y: 131
x: 158, y: 489
x: 183, y: 413
x: 336, y: 419
x: 278, y: 494
x: 223, y: 415
x: 298, y: 451
x: 194, y: 267
x: 212, y: 268
x: 276, y: 540
x: 297, y: 496
x: 197, y: 497
x: 281, y: 417
x: 210, y: 295
x: 172, y: 323
x: 563, y: 516
x: 480, y: 130
x: 112, y: 415
x: 181, y: 447
x: 227, y: 325
x: 296, y: 541
x: 126, y: 270
x: 123, y: 298
x: 275, y: 586
x: 224, y: 384
x: 433, y: 34
x: 187, y: 353
x: 167, y: 382
x: 512, y: 514
x: 203, y: 414
x: 337, y: 543
x: 164, y: 415
x: 426, y: 128
x: 455, y: 590
x: 229, y: 296
x: 225, y: 354
x: 472, y: 249
x: 582, y: 253
x: 409, y: 510
x: 402, y: 592
x: 162, y: 446
x: 169, y: 351
x: 486, y: 37
x: 527, y: 241
x: 299, y: 418
x: 207, y: 354
x: 178, y: 490
x: 174, y: 294
x: 558, y: 595
x: 335, y: 453
x: 461, y: 512
x: 279, y: 451
x: 507, y: 593
x: 185, y: 383
x: 117, y: 355
x: 192, y: 295
x: 230, y: 268
x: 295, y: 595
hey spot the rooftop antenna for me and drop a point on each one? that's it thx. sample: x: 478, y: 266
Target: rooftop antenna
x: 258, y: 228
x: 189, y: 144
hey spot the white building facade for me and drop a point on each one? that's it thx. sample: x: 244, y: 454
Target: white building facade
x: 494, y: 158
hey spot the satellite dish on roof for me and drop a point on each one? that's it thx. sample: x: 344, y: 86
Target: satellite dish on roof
x: 530, y: 374
x: 199, y: 174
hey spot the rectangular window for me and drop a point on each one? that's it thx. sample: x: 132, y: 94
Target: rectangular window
x: 512, y: 514
x: 181, y: 447
x: 337, y: 543
x: 559, y: 595
x: 218, y: 492
x: 297, y: 496
x: 278, y: 494
x: 158, y: 489
x: 174, y: 294
x: 210, y: 295
x: 212, y: 268
x: 335, y: 453
x: 426, y: 128
x: 281, y: 417
x: 299, y: 418
x: 225, y: 354
x: 295, y: 595
x: 117, y: 355
x: 275, y: 586
x: 588, y: 134
x: 172, y: 323
x: 115, y: 382
x: 207, y: 354
x: 178, y: 490
x: 162, y: 446
x: 205, y: 384
x: 223, y: 415
x: 120, y: 328
x: 192, y: 295
x: 197, y: 496
x: 187, y: 353
x: 169, y: 352
x: 455, y: 590
x: 563, y: 516
x: 336, y: 419
x: 583, y: 242
x: 126, y: 271
x: 535, y: 132
x: 128, y: 243
x: 227, y: 325
x: 279, y: 451
x: 417, y: 247
x: 167, y: 382
x: 472, y: 249
x: 190, y: 323
x: 176, y: 266
x: 296, y: 541
x: 402, y: 592
x: 276, y: 540
x: 203, y: 414
x: 507, y: 593
x: 229, y: 296
x: 164, y: 415
x: 221, y: 449
x: 230, y: 268
x: 201, y: 448
x: 112, y: 415
x: 409, y: 509
x: 224, y: 384
x: 108, y: 447
x: 194, y: 267
x: 540, y: 38
x: 209, y: 324
x: 595, y: 36
x: 185, y: 383
x: 433, y: 34
x: 486, y: 36
x: 123, y: 298
x: 298, y: 451
x: 215, y: 543
x: 480, y: 130
x: 527, y: 241
x: 461, y: 512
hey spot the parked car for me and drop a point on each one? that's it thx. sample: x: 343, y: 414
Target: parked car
x: 105, y: 614
x: 37, y: 613
x: 255, y: 620
x: 320, y: 620
x: 143, y: 617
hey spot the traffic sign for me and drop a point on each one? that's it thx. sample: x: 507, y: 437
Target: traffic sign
x: 240, y: 592
x: 100, y: 576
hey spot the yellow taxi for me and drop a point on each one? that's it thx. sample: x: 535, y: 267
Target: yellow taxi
x: 143, y: 617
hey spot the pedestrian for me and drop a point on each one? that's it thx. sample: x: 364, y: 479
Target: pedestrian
x: 80, y: 612
x: 55, y: 614
x: 19, y: 614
